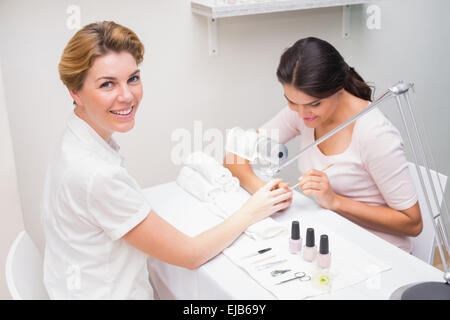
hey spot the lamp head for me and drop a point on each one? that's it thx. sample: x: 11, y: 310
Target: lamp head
x: 253, y: 146
x: 401, y: 88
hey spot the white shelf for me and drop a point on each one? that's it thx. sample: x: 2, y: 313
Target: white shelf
x: 211, y: 8
x: 215, y: 9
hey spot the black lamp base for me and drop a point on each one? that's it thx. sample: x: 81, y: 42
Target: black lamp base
x: 423, y: 291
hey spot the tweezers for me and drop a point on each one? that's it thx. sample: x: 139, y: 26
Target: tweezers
x: 275, y: 273
x: 268, y: 265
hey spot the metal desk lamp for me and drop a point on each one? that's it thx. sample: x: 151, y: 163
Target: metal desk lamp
x: 276, y: 160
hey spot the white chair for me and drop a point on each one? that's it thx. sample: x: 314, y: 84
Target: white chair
x: 24, y: 275
x: 424, y: 244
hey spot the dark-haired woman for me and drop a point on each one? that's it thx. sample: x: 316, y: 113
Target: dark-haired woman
x: 369, y: 182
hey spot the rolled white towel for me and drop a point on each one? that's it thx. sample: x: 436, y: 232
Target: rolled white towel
x: 194, y: 183
x: 232, y: 185
x: 214, y: 172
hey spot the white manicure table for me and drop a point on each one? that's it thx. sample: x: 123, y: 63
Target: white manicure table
x: 221, y: 279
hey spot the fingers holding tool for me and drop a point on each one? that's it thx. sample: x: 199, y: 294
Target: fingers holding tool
x: 316, y: 183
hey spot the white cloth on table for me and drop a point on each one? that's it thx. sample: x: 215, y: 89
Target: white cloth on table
x: 194, y: 183
x: 232, y: 185
x: 350, y: 265
x: 228, y: 203
x: 210, y: 169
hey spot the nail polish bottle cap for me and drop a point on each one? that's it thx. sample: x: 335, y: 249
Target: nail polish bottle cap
x: 310, y: 237
x: 295, y: 230
x: 323, y: 244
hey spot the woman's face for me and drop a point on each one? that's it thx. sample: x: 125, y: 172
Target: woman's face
x: 314, y: 112
x: 110, y: 95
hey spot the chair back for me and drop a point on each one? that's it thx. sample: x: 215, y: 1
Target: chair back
x: 423, y: 245
x: 24, y: 275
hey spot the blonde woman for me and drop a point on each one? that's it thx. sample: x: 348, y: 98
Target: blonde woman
x: 99, y: 227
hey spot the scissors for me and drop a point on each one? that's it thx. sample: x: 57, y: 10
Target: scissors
x: 298, y: 275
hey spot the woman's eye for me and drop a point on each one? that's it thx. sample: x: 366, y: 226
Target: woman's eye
x: 107, y: 84
x: 315, y: 104
x: 134, y: 79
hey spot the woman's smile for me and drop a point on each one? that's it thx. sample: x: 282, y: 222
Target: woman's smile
x: 124, y: 113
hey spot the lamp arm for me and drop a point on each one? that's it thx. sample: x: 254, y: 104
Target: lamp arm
x: 388, y: 94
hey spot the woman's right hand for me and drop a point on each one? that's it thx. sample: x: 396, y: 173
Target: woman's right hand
x: 269, y: 199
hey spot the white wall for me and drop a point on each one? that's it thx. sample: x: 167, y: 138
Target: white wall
x: 183, y: 84
x: 10, y: 211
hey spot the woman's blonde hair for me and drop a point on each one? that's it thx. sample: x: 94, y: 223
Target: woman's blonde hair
x: 92, y: 41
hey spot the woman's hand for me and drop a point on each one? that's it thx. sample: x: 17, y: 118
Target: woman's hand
x: 269, y: 199
x: 316, y: 184
x: 284, y: 185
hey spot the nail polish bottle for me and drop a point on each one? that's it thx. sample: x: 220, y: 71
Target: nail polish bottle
x: 324, y: 256
x: 295, y: 242
x: 309, y: 250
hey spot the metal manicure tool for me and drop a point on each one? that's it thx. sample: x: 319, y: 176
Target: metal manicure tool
x: 298, y: 275
x: 268, y: 265
x: 275, y: 273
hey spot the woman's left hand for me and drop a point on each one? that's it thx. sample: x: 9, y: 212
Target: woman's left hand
x: 316, y: 183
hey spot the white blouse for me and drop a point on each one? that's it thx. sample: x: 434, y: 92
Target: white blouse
x: 90, y: 201
x: 372, y: 170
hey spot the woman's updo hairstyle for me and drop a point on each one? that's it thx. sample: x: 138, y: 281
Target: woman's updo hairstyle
x: 92, y: 41
x: 316, y: 68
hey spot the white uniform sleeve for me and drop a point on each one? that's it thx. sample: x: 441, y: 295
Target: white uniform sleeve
x: 116, y: 201
x: 384, y: 157
x: 285, y: 123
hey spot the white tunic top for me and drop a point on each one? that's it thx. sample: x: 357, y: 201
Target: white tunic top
x: 372, y: 170
x: 90, y: 201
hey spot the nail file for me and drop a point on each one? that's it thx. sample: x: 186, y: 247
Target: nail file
x: 328, y: 166
x: 263, y: 259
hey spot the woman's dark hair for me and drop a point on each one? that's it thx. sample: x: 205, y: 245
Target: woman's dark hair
x: 316, y: 68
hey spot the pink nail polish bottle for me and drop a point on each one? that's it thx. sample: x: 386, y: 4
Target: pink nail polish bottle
x: 324, y: 256
x: 295, y: 242
x: 309, y: 250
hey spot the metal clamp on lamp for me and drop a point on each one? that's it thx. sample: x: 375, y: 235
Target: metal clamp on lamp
x: 252, y: 146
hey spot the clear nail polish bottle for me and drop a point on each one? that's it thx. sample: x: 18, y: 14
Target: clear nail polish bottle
x: 324, y: 256
x: 309, y: 250
x: 295, y: 242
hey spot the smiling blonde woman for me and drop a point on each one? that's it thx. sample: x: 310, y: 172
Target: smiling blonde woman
x: 98, y: 225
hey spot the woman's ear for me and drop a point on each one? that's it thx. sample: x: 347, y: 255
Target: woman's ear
x: 75, y: 96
